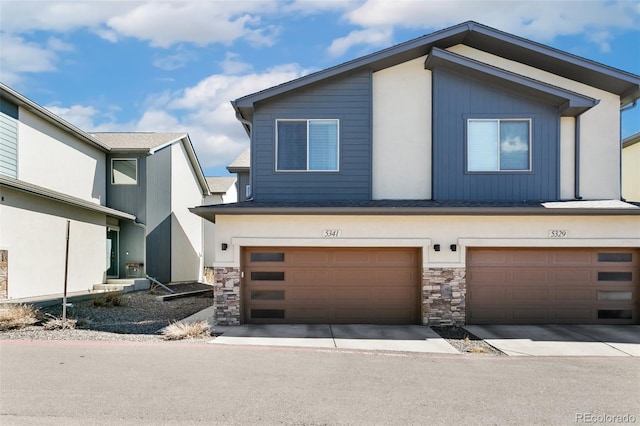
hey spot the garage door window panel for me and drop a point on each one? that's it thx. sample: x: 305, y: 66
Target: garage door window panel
x: 615, y: 276
x: 267, y: 294
x: 267, y: 257
x: 267, y: 276
x: 614, y: 295
x: 615, y: 257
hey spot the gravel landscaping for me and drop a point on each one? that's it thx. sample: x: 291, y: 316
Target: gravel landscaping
x: 141, y: 315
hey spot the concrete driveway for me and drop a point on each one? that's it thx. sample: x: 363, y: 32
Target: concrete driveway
x: 405, y: 338
x: 561, y: 340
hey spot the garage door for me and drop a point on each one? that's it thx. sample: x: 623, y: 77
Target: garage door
x: 553, y: 286
x: 331, y: 285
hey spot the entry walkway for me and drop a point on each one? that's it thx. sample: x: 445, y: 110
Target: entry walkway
x: 403, y: 338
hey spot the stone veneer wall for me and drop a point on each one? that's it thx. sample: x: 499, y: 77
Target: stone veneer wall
x: 226, y: 294
x: 443, y: 296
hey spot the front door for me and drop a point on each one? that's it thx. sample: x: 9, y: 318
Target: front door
x: 112, y: 253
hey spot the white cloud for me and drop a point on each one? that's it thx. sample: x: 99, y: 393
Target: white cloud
x: 232, y: 64
x: 375, y: 37
x: 21, y: 56
x: 164, y: 24
x: 175, y: 61
x: 538, y: 20
x: 203, y: 111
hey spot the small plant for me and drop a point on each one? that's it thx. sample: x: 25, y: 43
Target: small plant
x: 108, y: 300
x: 55, y: 323
x: 181, y: 330
x: 17, y: 316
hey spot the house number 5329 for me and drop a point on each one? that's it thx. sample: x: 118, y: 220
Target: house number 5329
x: 557, y: 233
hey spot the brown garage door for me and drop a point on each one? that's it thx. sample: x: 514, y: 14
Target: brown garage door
x: 331, y: 285
x: 553, y: 286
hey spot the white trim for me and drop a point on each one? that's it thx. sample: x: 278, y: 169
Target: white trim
x: 308, y: 120
x: 124, y: 159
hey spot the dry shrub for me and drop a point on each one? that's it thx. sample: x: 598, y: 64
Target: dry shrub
x: 54, y: 323
x: 17, y: 316
x: 181, y: 330
x: 108, y: 300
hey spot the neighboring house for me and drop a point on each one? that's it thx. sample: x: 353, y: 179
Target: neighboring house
x: 241, y: 167
x: 222, y: 190
x: 51, y: 174
x: 156, y: 177
x: 467, y: 176
x: 631, y: 168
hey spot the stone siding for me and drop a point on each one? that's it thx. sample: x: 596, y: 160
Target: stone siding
x: 4, y: 274
x: 226, y: 294
x: 443, y: 296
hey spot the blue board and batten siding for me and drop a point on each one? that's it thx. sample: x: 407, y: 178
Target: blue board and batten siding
x: 8, y: 139
x: 347, y: 99
x: 457, y: 98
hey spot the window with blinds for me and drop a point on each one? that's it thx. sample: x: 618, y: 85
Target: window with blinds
x: 495, y: 145
x: 307, y: 145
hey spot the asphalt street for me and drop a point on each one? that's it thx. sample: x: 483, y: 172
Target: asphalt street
x: 78, y: 383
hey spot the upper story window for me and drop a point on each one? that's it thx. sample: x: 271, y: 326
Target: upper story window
x: 307, y: 145
x: 124, y: 171
x: 496, y: 145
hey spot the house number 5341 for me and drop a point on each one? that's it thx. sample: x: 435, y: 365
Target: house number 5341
x: 557, y: 233
x: 331, y: 233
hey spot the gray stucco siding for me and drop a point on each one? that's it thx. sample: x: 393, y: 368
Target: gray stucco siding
x: 347, y: 99
x: 457, y: 98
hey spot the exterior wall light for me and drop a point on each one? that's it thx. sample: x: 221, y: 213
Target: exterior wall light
x: 224, y: 246
x: 436, y: 247
x: 453, y: 247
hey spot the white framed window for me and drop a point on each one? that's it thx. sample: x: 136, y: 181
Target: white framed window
x: 307, y: 145
x: 498, y: 145
x: 124, y: 171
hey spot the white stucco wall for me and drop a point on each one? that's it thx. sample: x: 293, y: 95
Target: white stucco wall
x: 210, y: 231
x: 422, y: 231
x: 52, y: 158
x: 599, y: 128
x: 33, y: 230
x: 402, y: 132
x: 631, y: 173
x: 186, y: 228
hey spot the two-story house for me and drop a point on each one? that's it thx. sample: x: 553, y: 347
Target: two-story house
x: 125, y: 197
x: 52, y: 174
x: 156, y: 177
x: 466, y: 176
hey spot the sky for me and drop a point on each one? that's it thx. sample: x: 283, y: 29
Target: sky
x: 161, y: 66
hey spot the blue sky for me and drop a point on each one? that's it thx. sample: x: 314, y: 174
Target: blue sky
x: 174, y: 66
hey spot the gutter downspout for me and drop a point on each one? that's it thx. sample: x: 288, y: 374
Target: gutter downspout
x: 623, y: 109
x: 576, y: 172
x: 144, y: 243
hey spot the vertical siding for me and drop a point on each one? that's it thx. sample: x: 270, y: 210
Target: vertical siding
x: 457, y: 98
x: 347, y: 99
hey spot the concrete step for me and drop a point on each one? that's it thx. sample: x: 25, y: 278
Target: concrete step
x: 125, y: 285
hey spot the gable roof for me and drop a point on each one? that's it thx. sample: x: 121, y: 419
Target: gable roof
x: 149, y: 143
x: 624, y: 84
x: 142, y: 141
x: 11, y: 95
x: 242, y: 162
x: 220, y: 184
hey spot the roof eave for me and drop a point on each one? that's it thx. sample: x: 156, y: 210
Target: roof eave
x: 210, y: 212
x: 47, y: 115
